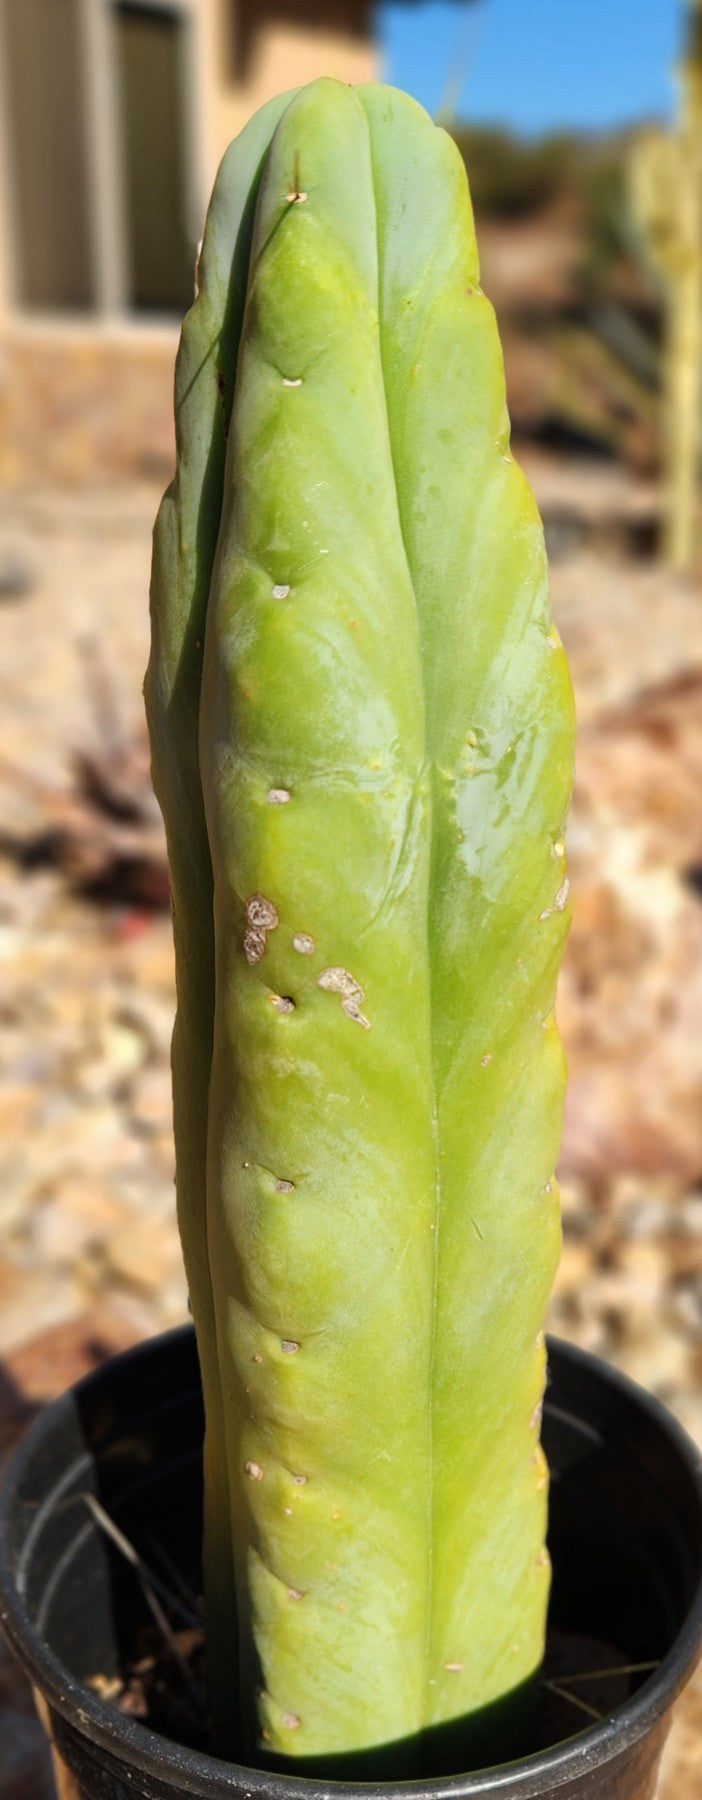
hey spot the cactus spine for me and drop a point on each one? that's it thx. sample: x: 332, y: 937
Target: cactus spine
x: 666, y: 188
x: 384, y: 765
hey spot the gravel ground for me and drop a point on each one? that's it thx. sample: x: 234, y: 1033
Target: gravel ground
x: 86, y: 996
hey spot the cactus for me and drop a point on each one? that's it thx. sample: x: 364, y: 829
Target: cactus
x: 362, y: 739
x: 665, y: 178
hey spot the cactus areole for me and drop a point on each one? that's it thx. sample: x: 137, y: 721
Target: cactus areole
x: 362, y: 735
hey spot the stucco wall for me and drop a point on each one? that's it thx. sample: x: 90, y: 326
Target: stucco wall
x: 281, y: 53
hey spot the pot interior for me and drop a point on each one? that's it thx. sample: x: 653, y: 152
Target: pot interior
x: 625, y: 1516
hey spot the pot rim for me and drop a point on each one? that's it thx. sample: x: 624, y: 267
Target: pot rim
x: 152, y: 1754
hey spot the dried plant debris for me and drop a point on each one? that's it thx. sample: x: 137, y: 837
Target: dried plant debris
x: 103, y: 830
x: 151, y: 1687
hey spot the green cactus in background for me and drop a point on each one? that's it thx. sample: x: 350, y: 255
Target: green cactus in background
x: 665, y: 170
x: 362, y: 731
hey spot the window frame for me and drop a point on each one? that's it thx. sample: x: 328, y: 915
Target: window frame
x: 106, y: 197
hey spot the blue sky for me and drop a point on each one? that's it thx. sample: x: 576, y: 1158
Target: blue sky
x: 536, y: 65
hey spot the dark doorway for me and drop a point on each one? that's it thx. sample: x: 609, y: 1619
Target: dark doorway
x: 150, y: 59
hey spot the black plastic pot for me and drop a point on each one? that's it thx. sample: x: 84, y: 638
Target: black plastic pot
x: 625, y: 1539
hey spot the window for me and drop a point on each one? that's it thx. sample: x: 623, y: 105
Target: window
x: 100, y: 153
x: 47, y: 130
x: 150, y: 64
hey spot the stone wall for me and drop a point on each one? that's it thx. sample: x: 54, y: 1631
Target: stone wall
x: 82, y: 404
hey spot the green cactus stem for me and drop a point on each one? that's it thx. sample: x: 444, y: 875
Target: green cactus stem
x: 372, y: 816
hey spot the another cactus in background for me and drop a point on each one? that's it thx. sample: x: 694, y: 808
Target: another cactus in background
x: 666, y: 188
x: 366, y: 1040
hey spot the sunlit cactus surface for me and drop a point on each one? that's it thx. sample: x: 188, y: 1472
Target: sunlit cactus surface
x: 362, y: 729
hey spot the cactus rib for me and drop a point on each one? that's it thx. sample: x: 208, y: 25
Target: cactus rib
x: 185, y: 540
